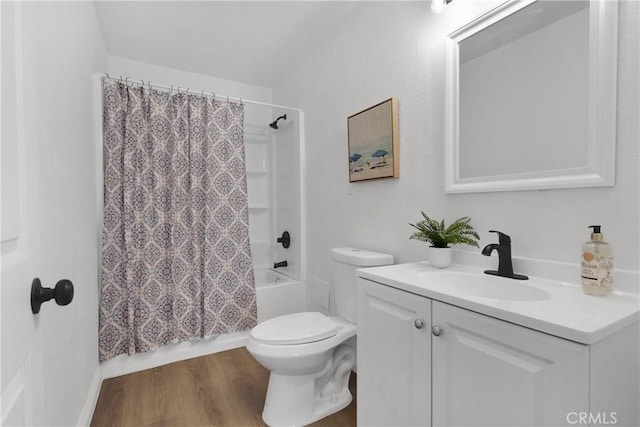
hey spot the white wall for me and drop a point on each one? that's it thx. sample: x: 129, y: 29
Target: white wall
x: 386, y: 49
x: 61, y: 48
x: 176, y: 77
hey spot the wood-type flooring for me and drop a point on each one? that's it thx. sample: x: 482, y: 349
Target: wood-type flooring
x: 221, y: 389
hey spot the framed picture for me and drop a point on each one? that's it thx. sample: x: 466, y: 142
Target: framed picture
x: 373, y: 142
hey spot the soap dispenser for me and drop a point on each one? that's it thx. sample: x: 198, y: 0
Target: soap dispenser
x: 597, y: 264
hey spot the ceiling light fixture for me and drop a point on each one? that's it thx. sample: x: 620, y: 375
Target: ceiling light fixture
x: 438, y: 5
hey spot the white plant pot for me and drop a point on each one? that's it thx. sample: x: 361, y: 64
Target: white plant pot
x: 439, y: 257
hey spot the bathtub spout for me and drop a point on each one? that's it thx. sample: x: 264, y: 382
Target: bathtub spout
x: 279, y: 264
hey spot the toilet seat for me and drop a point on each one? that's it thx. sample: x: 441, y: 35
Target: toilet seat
x: 297, y: 328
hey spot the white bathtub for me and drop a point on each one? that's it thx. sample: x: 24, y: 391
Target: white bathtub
x: 277, y: 294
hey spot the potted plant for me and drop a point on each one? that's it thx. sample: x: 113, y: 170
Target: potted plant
x: 440, y: 237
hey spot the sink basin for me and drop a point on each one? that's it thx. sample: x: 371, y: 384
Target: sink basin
x: 482, y: 285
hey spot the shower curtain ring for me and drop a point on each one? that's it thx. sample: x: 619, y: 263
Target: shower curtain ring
x: 214, y: 95
x: 108, y: 75
x: 126, y: 81
x: 149, y: 84
x: 171, y: 90
x: 227, y: 99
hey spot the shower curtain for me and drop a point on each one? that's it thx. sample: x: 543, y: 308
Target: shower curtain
x: 176, y: 260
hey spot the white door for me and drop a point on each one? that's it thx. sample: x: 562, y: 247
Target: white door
x: 22, y: 356
x: 394, y: 357
x: 489, y: 372
x: 50, y: 370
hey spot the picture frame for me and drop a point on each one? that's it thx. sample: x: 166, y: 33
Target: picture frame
x: 373, y: 142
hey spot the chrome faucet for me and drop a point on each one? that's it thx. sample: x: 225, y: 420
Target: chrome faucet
x: 505, y: 266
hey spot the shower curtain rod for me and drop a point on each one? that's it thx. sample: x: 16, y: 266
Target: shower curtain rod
x: 188, y: 90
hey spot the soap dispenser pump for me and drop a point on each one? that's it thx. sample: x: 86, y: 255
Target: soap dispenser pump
x: 597, y: 264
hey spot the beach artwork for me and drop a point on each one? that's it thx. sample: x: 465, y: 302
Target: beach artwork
x: 373, y: 142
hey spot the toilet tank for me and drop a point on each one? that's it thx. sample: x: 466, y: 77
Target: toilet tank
x: 345, y: 278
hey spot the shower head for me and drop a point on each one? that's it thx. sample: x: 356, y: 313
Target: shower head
x: 274, y: 124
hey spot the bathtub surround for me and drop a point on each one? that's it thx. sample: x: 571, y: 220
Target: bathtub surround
x: 176, y: 256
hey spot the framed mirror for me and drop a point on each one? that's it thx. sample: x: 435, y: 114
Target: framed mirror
x: 531, y: 97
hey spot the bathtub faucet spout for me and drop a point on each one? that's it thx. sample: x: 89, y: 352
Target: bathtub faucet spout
x: 280, y: 264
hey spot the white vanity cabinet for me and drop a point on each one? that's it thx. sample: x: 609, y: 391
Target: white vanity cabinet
x: 394, y: 357
x: 425, y: 362
x: 494, y: 373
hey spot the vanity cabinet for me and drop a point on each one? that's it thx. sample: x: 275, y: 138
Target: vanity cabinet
x: 394, y: 357
x: 424, y: 362
x: 494, y: 373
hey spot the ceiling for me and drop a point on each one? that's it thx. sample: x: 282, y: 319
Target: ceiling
x: 253, y: 42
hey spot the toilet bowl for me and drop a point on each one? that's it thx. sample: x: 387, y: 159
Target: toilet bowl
x: 304, y: 386
x: 308, y: 354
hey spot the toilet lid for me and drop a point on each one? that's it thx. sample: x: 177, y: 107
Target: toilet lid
x: 297, y: 328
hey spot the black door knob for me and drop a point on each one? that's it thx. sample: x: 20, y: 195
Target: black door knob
x: 62, y: 293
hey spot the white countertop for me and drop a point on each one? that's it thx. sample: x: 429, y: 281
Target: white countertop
x: 567, y: 312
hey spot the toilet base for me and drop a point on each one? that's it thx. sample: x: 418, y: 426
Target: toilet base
x: 298, y: 400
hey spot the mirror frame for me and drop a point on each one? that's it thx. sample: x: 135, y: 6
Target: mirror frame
x: 601, y: 145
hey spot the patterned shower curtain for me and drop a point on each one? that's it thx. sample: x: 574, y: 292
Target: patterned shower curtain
x: 176, y: 263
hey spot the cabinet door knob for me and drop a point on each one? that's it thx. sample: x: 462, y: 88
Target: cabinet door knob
x: 418, y: 324
x: 436, y: 331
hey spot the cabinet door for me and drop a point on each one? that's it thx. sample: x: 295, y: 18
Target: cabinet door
x: 394, y: 356
x: 490, y: 372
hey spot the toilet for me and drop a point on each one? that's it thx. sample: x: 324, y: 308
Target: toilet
x: 307, y: 353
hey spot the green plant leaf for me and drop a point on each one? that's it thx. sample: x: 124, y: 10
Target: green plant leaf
x: 439, y: 235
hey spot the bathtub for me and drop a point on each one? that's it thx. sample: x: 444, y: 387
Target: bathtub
x: 277, y: 294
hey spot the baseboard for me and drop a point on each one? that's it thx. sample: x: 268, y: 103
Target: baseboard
x: 92, y: 399
x: 124, y: 364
